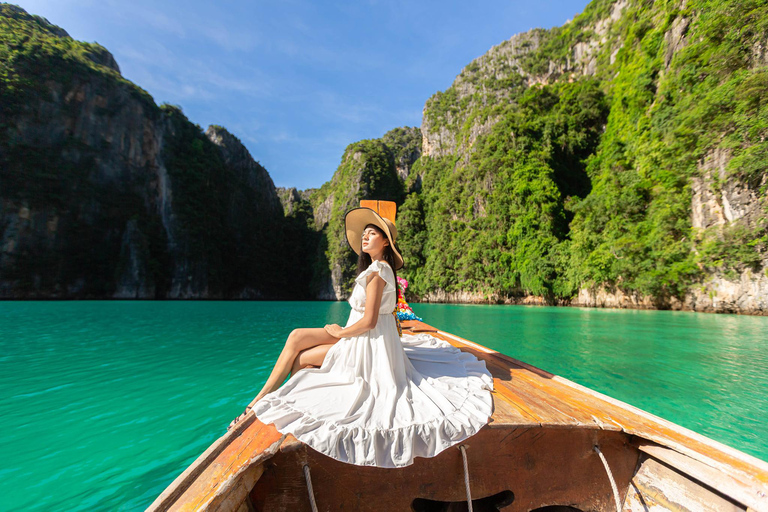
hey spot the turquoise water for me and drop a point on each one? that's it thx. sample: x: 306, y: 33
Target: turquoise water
x: 103, y: 404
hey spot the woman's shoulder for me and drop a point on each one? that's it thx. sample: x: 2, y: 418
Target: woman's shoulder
x: 378, y: 265
x: 381, y: 267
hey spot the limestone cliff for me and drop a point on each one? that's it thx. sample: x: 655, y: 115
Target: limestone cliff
x: 616, y: 160
x: 405, y: 144
x: 454, y: 119
x: 105, y: 194
x: 367, y: 171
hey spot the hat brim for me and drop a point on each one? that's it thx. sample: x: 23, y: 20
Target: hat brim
x: 355, y: 221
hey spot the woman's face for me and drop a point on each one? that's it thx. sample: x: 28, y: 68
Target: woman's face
x: 374, y: 241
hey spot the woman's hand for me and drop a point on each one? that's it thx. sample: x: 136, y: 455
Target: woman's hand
x: 334, y: 330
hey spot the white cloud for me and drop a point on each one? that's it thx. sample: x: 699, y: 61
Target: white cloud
x: 228, y: 38
x: 155, y: 19
x: 160, y: 70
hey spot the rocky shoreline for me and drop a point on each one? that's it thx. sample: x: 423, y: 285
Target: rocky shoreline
x: 747, y: 295
x: 732, y: 300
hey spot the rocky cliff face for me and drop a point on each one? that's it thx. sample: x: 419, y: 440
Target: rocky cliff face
x: 717, y: 200
x: 494, y: 77
x: 101, y: 194
x: 289, y: 198
x: 727, y: 207
x: 664, y: 207
x: 719, y: 203
x: 405, y: 144
x: 367, y: 171
x: 247, y: 170
x: 618, y: 160
x: 83, y: 147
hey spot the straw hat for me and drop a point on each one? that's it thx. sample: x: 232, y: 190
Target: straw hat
x: 357, y: 218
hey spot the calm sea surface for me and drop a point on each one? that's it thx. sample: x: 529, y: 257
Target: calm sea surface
x: 103, y: 404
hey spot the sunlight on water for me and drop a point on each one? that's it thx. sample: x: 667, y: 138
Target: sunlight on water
x: 103, y: 404
x: 705, y: 372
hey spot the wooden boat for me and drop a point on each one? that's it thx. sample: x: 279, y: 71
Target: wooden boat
x: 551, y: 445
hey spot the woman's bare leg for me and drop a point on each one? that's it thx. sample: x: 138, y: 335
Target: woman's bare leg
x: 310, y: 357
x: 299, y: 341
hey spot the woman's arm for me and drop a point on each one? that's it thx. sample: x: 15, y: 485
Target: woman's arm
x: 373, y: 292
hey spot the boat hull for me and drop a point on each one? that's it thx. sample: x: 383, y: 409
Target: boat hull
x: 541, y: 450
x: 540, y: 466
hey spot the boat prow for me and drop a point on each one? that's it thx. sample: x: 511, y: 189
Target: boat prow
x: 550, y: 445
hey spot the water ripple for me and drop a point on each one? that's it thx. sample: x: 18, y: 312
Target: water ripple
x: 112, y: 400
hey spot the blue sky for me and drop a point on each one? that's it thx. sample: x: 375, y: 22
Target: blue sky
x: 297, y: 81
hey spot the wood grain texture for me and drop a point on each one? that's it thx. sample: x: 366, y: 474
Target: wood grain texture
x: 541, y: 466
x: 220, y: 479
x: 657, y: 487
x: 538, y: 444
x: 704, y: 475
x: 533, y: 388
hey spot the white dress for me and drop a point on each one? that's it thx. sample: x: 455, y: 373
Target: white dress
x: 379, y: 399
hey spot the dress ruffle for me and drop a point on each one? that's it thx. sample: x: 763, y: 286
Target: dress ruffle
x: 396, y: 447
x: 383, y: 269
x: 379, y: 399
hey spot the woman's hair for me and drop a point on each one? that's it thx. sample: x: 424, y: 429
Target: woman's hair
x: 364, y: 260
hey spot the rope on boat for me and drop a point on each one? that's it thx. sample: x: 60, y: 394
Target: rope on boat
x: 463, y: 450
x: 309, y: 488
x: 610, y: 477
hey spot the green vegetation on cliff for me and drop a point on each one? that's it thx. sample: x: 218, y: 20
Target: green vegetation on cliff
x: 203, y: 186
x: 669, y: 111
x: 626, y: 149
x: 86, y: 206
x: 586, y: 180
x: 367, y: 171
x: 32, y: 49
x: 47, y: 173
x: 494, y: 224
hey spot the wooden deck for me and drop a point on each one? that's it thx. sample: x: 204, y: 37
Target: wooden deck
x: 526, y: 395
x: 526, y: 399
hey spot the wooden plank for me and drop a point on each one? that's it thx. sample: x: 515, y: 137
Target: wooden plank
x: 544, y: 408
x: 387, y: 209
x: 707, y: 475
x: 185, y: 479
x: 541, y: 466
x: 559, y: 404
x: 737, y: 465
x: 589, y: 412
x: 533, y: 405
x: 507, y: 414
x: 539, y: 385
x: 523, y: 405
x: 236, y: 495
x: 414, y: 326
x: 256, y: 443
x: 658, y: 487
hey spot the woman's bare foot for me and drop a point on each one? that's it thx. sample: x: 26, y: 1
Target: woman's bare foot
x: 247, y: 410
x: 239, y: 418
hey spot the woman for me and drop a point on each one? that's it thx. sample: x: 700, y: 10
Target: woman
x: 376, y: 399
